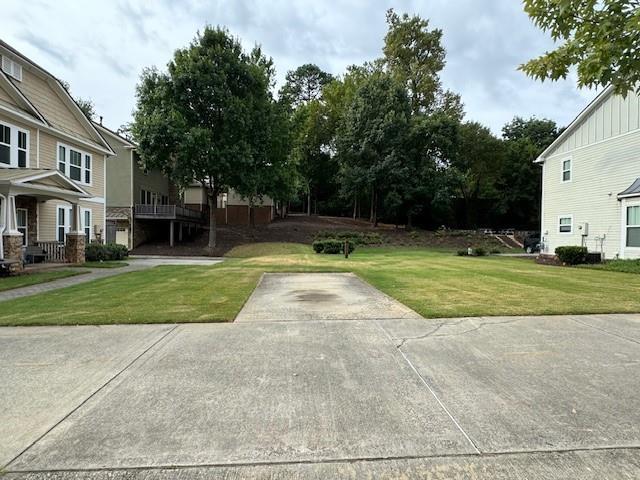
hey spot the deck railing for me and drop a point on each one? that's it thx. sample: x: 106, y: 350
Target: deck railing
x: 166, y: 211
x: 55, y: 252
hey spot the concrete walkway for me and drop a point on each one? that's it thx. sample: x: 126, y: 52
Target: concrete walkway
x: 135, y: 264
x: 482, y: 398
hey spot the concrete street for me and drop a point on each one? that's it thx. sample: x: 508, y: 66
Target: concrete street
x: 377, y: 397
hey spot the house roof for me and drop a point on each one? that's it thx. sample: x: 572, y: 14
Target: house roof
x: 632, y: 191
x: 601, y: 97
x: 100, y: 142
x: 41, y: 181
x: 112, y: 134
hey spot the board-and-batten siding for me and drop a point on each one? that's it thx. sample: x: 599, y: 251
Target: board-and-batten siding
x: 50, y: 105
x: 612, y: 117
x: 47, y: 215
x: 599, y: 172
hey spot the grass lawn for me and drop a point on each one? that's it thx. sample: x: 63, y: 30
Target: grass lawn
x: 107, y: 264
x: 625, y: 266
x: 434, y: 283
x: 27, y: 279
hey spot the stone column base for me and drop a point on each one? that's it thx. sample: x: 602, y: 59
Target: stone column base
x: 74, y: 248
x: 12, y: 249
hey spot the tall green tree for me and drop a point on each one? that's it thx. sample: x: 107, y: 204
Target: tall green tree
x: 600, y: 38
x: 474, y: 169
x: 414, y: 55
x: 304, y: 85
x: 372, y: 143
x: 302, y: 94
x: 519, y: 183
x: 206, y: 118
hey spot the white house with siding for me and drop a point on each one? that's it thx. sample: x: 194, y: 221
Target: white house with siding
x: 591, y: 180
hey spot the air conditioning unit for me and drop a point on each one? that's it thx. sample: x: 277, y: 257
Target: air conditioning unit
x: 584, y: 229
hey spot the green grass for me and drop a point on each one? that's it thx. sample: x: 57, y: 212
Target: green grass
x: 267, y: 248
x: 27, y: 279
x: 107, y: 264
x: 433, y: 283
x: 625, y: 266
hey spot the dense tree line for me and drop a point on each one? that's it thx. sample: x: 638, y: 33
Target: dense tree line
x: 384, y: 141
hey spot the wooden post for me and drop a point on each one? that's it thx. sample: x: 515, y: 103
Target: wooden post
x: 171, y: 233
x: 346, y: 249
x: 180, y: 231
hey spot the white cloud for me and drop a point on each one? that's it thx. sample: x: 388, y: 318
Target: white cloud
x: 101, y: 51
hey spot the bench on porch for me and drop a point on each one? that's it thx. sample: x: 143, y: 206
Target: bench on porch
x: 35, y: 254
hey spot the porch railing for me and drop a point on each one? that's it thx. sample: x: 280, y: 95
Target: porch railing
x: 166, y: 211
x: 54, y: 251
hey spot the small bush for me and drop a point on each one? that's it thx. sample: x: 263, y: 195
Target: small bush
x: 462, y: 253
x: 572, y: 255
x: 331, y: 246
x: 318, y: 246
x: 479, y: 252
x: 98, y: 252
x: 356, y: 238
x: 495, y: 251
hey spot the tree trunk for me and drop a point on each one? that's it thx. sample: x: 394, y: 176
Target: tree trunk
x: 375, y: 208
x: 213, y: 205
x: 355, y: 207
x: 372, y: 209
x: 309, y: 203
x: 252, y: 216
x: 409, y: 221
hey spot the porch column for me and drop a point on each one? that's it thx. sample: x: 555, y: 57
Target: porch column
x: 75, y: 246
x: 11, y: 237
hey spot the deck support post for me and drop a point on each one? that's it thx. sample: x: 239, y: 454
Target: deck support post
x: 171, y: 233
x: 180, y: 231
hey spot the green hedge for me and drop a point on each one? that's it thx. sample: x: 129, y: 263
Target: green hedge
x: 357, y: 238
x: 572, y: 255
x: 98, y: 252
x: 331, y: 246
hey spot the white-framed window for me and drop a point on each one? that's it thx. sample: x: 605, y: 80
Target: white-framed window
x: 143, y: 196
x: 75, y: 164
x: 22, y: 221
x: 566, y: 170
x: 565, y: 224
x: 63, y: 223
x: 86, y: 223
x: 14, y: 146
x: 12, y: 68
x: 633, y: 226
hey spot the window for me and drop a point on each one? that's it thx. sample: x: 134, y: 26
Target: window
x: 75, y: 164
x: 5, y: 144
x: 633, y: 226
x: 143, y: 197
x: 22, y: 149
x: 86, y: 224
x: 64, y: 223
x: 14, y: 146
x: 565, y: 224
x: 566, y: 170
x: 12, y: 68
x: 148, y: 199
x: 21, y: 220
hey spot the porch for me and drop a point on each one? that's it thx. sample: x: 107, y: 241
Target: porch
x: 181, y: 221
x: 21, y: 193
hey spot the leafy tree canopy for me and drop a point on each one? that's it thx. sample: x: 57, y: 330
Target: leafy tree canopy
x: 599, y: 37
x: 303, y: 85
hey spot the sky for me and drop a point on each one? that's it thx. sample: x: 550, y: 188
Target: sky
x: 101, y: 51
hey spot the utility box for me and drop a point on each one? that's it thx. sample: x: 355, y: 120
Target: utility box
x: 584, y: 229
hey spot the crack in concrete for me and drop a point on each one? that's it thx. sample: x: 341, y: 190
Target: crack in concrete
x: 328, y: 461
x: 613, y: 334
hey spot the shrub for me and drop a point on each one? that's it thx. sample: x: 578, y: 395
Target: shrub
x: 356, y: 238
x: 98, y: 252
x: 462, y: 253
x: 572, y: 255
x: 331, y: 246
x: 479, y: 252
x: 495, y: 251
x: 318, y: 246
